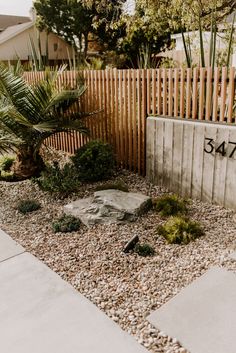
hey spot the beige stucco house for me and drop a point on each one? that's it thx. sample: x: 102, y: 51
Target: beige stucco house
x: 15, y: 43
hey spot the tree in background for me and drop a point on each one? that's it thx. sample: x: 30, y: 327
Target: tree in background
x: 75, y: 20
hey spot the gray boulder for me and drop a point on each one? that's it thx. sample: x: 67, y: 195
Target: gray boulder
x: 109, y: 206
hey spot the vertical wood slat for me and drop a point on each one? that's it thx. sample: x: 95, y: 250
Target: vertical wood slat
x: 125, y: 134
x: 201, y: 94
x: 215, y: 94
x: 130, y: 127
x: 195, y: 93
x: 182, y: 98
x: 139, y: 137
x: 176, y: 93
x: 170, y: 92
x: 134, y: 120
x: 143, y: 121
x: 159, y: 93
x: 154, y: 90
x: 188, y: 93
x: 223, y: 93
x: 208, y: 93
x: 231, y: 94
x: 164, y: 77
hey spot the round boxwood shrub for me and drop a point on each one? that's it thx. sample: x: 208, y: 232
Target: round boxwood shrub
x: 66, y: 224
x: 170, y: 205
x: 95, y: 161
x: 180, y: 230
x: 27, y: 206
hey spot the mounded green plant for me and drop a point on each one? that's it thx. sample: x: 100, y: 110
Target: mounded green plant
x: 170, y: 205
x: 59, y: 180
x: 66, y: 224
x: 144, y: 249
x: 95, y: 161
x: 27, y: 206
x: 29, y: 114
x: 6, y: 163
x: 180, y: 230
x: 119, y: 185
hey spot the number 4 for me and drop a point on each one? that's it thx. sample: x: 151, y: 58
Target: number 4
x: 221, y: 149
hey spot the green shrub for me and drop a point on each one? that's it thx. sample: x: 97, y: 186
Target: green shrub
x: 119, y: 185
x: 66, y: 224
x: 94, y: 161
x: 27, y: 206
x: 59, y: 180
x: 180, y: 230
x: 144, y: 249
x: 6, y: 163
x: 6, y: 176
x: 170, y: 205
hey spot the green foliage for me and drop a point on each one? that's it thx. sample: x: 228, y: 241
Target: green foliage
x: 170, y: 205
x: 30, y: 114
x: 119, y: 185
x: 6, y: 163
x: 6, y: 176
x: 94, y: 161
x: 27, y: 206
x: 59, y: 180
x: 144, y: 250
x: 66, y: 224
x: 77, y: 20
x: 180, y: 230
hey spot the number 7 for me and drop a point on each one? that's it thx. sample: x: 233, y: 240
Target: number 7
x: 232, y: 153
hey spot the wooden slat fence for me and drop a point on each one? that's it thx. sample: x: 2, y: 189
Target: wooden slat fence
x: 126, y: 97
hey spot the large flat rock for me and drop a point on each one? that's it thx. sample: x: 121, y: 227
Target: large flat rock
x: 8, y: 247
x: 109, y: 206
x: 203, y: 315
x: 41, y: 313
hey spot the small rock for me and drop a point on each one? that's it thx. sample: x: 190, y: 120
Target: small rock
x: 131, y: 244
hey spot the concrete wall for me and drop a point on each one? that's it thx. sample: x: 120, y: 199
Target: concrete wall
x: 19, y: 46
x: 193, y: 159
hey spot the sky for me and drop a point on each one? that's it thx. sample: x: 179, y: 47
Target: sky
x: 22, y: 7
x: 15, y: 7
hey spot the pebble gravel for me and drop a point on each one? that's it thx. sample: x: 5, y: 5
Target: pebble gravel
x: 127, y: 287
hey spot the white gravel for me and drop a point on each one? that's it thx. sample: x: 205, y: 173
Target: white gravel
x: 126, y: 287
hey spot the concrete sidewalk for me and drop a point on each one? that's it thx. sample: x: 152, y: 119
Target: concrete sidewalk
x: 41, y: 313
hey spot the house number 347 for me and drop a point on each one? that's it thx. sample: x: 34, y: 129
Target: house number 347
x: 225, y: 149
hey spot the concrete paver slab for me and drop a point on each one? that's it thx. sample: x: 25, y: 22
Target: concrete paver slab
x: 41, y: 313
x: 8, y: 247
x: 203, y: 315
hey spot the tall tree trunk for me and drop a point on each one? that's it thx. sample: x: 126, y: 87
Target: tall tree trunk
x: 27, y: 163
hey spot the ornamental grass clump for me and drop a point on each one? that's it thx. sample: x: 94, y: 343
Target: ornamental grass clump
x: 27, y: 206
x: 6, y: 162
x: 144, y: 249
x: 66, y: 224
x: 170, y: 205
x: 180, y: 230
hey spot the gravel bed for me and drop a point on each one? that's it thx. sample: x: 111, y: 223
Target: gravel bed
x: 126, y: 287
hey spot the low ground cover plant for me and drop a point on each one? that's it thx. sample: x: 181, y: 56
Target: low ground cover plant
x: 180, y: 230
x: 66, y: 224
x: 94, y: 162
x: 144, y: 249
x: 170, y: 205
x: 119, y: 185
x: 61, y: 180
x: 6, y: 163
x: 27, y: 206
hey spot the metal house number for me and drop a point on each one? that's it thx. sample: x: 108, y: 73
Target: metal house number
x: 225, y: 149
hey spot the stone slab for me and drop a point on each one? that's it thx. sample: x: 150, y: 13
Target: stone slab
x: 41, y: 313
x: 8, y: 247
x: 109, y: 206
x: 203, y: 315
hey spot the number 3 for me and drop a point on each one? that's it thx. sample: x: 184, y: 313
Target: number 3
x: 211, y: 146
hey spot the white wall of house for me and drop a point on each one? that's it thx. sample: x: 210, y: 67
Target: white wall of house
x: 19, y: 46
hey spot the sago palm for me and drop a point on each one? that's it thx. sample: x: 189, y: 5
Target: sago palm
x: 31, y: 113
